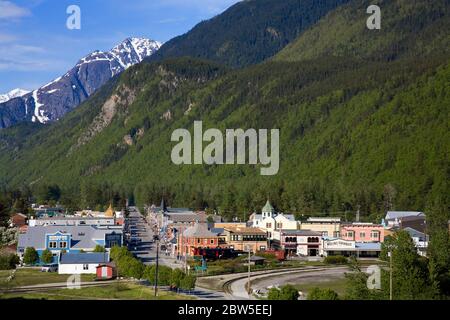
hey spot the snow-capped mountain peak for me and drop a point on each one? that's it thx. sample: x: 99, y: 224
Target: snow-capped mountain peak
x: 134, y: 50
x: 51, y: 101
x: 15, y: 93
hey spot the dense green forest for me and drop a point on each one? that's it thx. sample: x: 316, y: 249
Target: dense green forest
x: 248, y: 32
x: 368, y: 130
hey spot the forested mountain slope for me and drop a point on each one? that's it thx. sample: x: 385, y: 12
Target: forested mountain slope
x: 408, y: 28
x: 356, y: 130
x: 248, y: 32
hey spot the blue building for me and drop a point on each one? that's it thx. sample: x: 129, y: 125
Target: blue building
x: 69, y: 239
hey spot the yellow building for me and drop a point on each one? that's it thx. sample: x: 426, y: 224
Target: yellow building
x: 109, y: 212
x: 328, y: 227
x: 243, y: 238
x: 230, y: 225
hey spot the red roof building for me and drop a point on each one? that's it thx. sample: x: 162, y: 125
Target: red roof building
x: 18, y: 220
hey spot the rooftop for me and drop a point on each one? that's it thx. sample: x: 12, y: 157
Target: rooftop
x: 323, y: 219
x: 414, y: 233
x: 245, y: 230
x: 84, y: 258
x: 400, y: 214
x: 199, y: 230
x: 301, y: 233
x: 368, y: 246
x: 74, y: 218
x: 268, y: 207
x: 83, y: 236
x: 362, y: 224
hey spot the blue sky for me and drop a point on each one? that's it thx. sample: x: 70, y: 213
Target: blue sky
x: 36, y: 46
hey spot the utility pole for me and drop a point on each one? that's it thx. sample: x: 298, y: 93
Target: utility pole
x: 249, y: 271
x: 185, y: 256
x: 157, y: 264
x: 390, y: 274
x: 183, y: 248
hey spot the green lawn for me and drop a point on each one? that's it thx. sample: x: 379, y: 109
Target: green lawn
x: 122, y: 291
x: 33, y: 276
x: 337, y: 285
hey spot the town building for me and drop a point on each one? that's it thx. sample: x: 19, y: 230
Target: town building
x: 47, y: 211
x: 327, y: 226
x: 69, y: 239
x: 106, y: 271
x: 72, y: 221
x: 18, y: 220
x: 298, y: 242
x: 196, y: 236
x: 271, y: 221
x: 392, y: 218
x: 109, y: 213
x: 362, y: 232
x: 420, y: 240
x: 230, y: 225
x: 415, y: 222
x: 82, y: 263
x: 347, y: 248
x: 166, y: 217
x: 245, y: 238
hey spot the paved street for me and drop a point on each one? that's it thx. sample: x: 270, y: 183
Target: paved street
x: 145, y: 249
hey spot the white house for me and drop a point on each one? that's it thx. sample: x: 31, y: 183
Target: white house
x: 420, y: 240
x: 82, y: 263
x: 271, y: 221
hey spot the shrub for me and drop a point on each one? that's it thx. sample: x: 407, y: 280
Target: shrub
x: 164, y: 275
x: 335, y: 260
x: 46, y: 256
x: 117, y: 252
x: 129, y: 266
x: 8, y: 261
x: 322, y: 294
x: 99, y: 248
x: 188, y: 282
x: 175, y: 279
x: 30, y: 256
x: 286, y: 292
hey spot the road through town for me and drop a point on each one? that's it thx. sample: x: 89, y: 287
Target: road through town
x: 145, y: 249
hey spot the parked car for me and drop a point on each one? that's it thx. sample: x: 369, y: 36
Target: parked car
x: 49, y: 268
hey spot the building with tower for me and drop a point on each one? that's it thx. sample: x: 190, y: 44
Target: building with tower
x: 270, y: 221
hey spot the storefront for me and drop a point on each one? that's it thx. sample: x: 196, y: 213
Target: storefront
x: 333, y: 247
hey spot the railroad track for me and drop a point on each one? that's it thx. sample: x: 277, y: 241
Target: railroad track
x: 226, y: 287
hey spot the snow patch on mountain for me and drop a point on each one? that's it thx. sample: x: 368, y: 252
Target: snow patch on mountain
x: 38, y: 113
x: 12, y: 94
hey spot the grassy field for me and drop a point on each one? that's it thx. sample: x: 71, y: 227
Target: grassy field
x: 337, y: 285
x: 33, y: 276
x: 116, y: 291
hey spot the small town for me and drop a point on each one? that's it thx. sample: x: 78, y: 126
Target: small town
x: 209, y: 159
x: 270, y: 250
